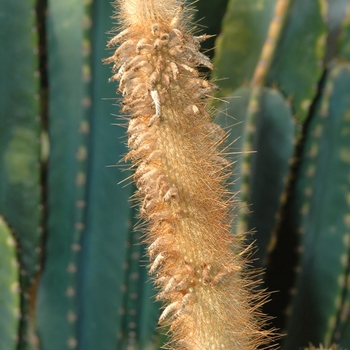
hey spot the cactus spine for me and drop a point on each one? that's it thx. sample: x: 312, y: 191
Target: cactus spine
x: 181, y: 175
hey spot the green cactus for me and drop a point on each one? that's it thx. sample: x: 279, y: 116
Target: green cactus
x: 299, y: 57
x: 259, y: 119
x: 68, y: 127
x: 248, y: 23
x: 90, y: 235
x: 20, y: 151
x: 321, y: 219
x: 344, y: 45
x: 9, y: 289
x: 285, y: 70
x: 288, y: 114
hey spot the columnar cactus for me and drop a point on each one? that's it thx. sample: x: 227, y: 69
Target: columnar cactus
x: 181, y: 175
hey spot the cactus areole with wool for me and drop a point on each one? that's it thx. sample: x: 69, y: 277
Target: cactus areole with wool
x: 181, y: 174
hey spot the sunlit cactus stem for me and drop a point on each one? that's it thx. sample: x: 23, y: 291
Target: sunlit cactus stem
x: 181, y: 175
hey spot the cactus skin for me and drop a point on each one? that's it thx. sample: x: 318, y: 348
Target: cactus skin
x: 299, y: 57
x: 80, y: 196
x: 321, y: 218
x: 344, y: 45
x: 287, y: 73
x: 265, y: 137
x: 20, y: 129
x: 247, y: 21
x: 181, y: 177
x: 9, y: 289
x: 68, y: 128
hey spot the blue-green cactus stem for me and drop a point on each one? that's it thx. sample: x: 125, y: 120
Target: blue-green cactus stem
x: 262, y: 128
x: 69, y: 108
x: 110, y: 312
x: 9, y: 289
x: 238, y: 47
x: 20, y: 130
x: 141, y: 311
x: 344, y: 42
x: 337, y: 23
x: 81, y: 153
x: 321, y: 209
x: 272, y: 38
x: 299, y: 57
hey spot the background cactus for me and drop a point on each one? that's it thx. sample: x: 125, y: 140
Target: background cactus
x: 93, y: 291
x: 290, y: 249
x: 20, y: 171
x: 9, y: 293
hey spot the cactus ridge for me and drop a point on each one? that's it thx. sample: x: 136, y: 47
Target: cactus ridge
x: 327, y: 261
x: 81, y: 181
x: 20, y: 128
x: 273, y: 36
x: 286, y: 71
x: 266, y: 138
x: 271, y: 50
x: 248, y: 23
x: 69, y: 113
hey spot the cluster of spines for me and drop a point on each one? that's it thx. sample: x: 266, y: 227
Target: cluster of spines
x: 181, y: 178
x: 145, y: 73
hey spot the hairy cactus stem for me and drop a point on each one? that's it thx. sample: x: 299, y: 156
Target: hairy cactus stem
x: 181, y: 175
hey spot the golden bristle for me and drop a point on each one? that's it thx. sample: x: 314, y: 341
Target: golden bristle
x: 181, y: 173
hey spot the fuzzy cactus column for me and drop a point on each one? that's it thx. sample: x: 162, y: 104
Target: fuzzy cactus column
x: 181, y: 174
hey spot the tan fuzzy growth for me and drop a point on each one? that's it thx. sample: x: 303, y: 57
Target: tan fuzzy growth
x: 181, y: 174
